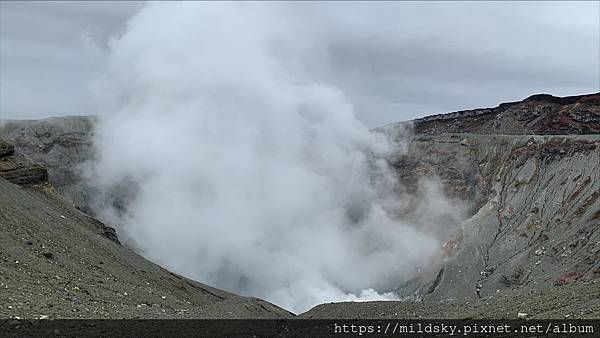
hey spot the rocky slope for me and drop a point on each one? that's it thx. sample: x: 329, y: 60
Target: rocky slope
x: 57, y: 262
x: 540, y: 223
x: 536, y: 212
x: 532, y: 244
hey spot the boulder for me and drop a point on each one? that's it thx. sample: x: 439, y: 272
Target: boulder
x: 6, y: 149
x: 22, y: 170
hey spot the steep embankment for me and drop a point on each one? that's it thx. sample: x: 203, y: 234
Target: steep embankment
x: 58, y: 262
x: 539, y: 225
x: 533, y: 243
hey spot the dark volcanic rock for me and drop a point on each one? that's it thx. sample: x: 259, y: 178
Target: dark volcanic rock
x: 111, y: 233
x: 6, y: 149
x: 537, y: 115
x: 22, y: 170
x: 62, y: 145
x: 106, y: 231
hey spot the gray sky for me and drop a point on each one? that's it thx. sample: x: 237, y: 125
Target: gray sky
x: 394, y: 60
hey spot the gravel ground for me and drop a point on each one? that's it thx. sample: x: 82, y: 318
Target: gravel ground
x: 56, y: 262
x: 575, y: 301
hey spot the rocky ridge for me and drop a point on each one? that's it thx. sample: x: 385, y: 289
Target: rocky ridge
x: 540, y: 114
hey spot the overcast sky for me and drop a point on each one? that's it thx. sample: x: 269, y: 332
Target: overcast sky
x: 394, y: 60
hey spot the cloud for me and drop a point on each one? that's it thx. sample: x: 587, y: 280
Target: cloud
x: 50, y: 52
x: 405, y: 60
x: 395, y: 60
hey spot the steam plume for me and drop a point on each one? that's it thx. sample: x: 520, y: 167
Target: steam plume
x: 250, y: 174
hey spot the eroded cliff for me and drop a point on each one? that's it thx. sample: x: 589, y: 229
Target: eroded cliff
x: 536, y: 210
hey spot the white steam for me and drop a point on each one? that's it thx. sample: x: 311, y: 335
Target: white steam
x: 250, y: 175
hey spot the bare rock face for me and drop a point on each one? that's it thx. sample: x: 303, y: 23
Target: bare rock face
x: 537, y: 115
x: 6, y: 149
x: 535, y: 220
x: 61, y: 144
x: 20, y: 169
